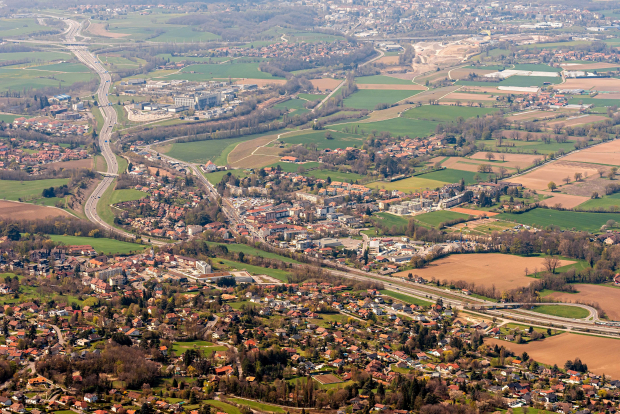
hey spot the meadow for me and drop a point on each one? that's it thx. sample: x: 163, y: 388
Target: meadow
x: 397, y: 127
x: 203, y: 151
x: 20, y: 27
x: 36, y: 56
x: 19, y: 79
x: 101, y: 245
x: 340, y: 139
x: 222, y: 71
x: 294, y: 106
x: 381, y: 80
x: 449, y: 175
x: 370, y: 98
x: 543, y: 217
x: 405, y: 298
x: 128, y: 194
x: 443, y: 113
x: 435, y: 218
x: 564, y: 311
x: 409, y: 185
x: 604, y: 202
x: 16, y: 190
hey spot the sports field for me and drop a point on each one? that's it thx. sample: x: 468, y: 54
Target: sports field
x: 101, y: 245
x: 542, y: 217
x: 369, y: 99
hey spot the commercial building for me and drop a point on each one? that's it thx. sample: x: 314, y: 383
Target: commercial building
x: 199, y: 102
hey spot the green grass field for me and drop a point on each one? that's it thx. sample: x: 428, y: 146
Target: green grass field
x: 227, y: 408
x: 563, y: 311
x: 391, y: 220
x: 435, y: 218
x: 28, y: 190
x: 605, y: 202
x: 443, y: 113
x: 409, y: 185
x: 585, y: 100
x: 183, y: 34
x: 340, y: 139
x: 37, y: 56
x: 20, y: 27
x: 281, y: 275
x: 311, y: 96
x: 128, y: 194
x: 288, y: 167
x: 369, y: 98
x: 381, y: 80
x: 19, y: 79
x: 295, y: 106
x: 405, y: 298
x: 223, y: 71
x: 8, y: 118
x: 397, y: 127
x: 334, y: 175
x: 537, y: 67
x: 101, y: 245
x: 203, y: 151
x: 531, y: 146
x: 449, y: 175
x: 536, y: 81
x: 259, y: 406
x: 252, y: 251
x: 542, y: 217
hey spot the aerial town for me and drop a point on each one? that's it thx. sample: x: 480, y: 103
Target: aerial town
x: 309, y: 207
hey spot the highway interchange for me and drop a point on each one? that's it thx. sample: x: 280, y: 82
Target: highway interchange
x: 475, y: 306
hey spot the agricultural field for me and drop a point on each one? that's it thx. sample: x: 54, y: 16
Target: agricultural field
x: 435, y: 218
x: 444, y: 113
x: 569, y: 220
x: 602, y: 355
x: 404, y: 298
x: 604, y: 296
x: 12, y: 78
x: 339, y: 139
x: 400, y: 126
x: 24, y: 211
x: 36, y: 56
x: 119, y: 196
x: 381, y: 80
x: 294, y: 106
x: 408, y: 185
x: 200, y: 151
x: 503, y: 271
x: 563, y: 311
x: 101, y: 245
x: 605, y: 202
x: 369, y: 99
x: 20, y: 27
x: 454, y: 176
x: 28, y: 190
x: 204, y: 72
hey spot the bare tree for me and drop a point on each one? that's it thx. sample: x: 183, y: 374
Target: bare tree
x: 551, y: 263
